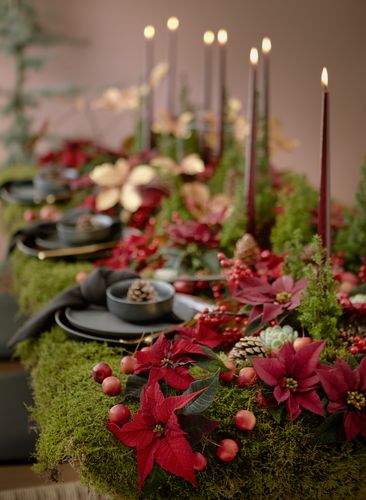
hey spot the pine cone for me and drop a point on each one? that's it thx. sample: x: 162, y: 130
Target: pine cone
x: 85, y: 222
x: 247, y: 346
x: 247, y: 250
x: 141, y: 291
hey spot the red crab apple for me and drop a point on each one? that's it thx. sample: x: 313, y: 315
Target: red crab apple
x: 29, y: 215
x: 101, y: 371
x: 184, y: 286
x: 227, y: 450
x: 245, y: 420
x: 119, y: 414
x: 49, y: 213
x: 300, y: 342
x: 127, y: 365
x: 199, y: 461
x: 111, y: 386
x: 81, y: 276
x: 247, y: 376
x: 228, y: 376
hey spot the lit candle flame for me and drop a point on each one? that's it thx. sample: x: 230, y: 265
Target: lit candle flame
x: 266, y: 45
x: 253, y: 56
x: 222, y: 37
x: 324, y: 77
x: 172, y: 23
x: 209, y: 37
x: 149, y: 32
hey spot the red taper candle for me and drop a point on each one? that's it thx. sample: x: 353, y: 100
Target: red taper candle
x: 250, y: 151
x: 266, y: 49
x: 149, y: 33
x: 172, y: 25
x: 324, y: 194
x: 222, y: 39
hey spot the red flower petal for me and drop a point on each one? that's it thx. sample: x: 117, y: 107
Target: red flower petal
x: 351, y: 425
x: 293, y: 408
x: 145, y: 461
x: 333, y: 384
x: 307, y: 359
x: 283, y: 284
x: 173, y: 403
x: 135, y: 433
x: 176, y: 456
x: 182, y: 346
x: 281, y: 393
x: 310, y: 401
x: 271, y: 311
x: 271, y: 371
x: 350, y: 377
x: 179, y: 377
x: 362, y: 375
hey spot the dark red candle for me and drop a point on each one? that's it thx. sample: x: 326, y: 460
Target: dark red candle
x: 149, y: 33
x: 172, y: 25
x: 222, y: 39
x: 208, y: 40
x: 266, y: 49
x: 250, y: 150
x: 324, y: 195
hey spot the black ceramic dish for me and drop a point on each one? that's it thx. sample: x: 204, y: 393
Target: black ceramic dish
x: 100, y: 230
x: 140, y: 312
x: 23, y: 192
x: 185, y: 307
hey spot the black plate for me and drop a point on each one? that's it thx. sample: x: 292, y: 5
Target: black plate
x: 23, y: 192
x: 48, y: 240
x: 185, y: 308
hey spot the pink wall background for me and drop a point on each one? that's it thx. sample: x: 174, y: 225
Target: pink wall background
x: 305, y: 36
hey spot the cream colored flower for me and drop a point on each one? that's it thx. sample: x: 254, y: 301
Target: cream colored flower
x: 158, y: 73
x: 191, y: 164
x: 278, y: 142
x: 114, y: 99
x: 180, y: 127
x: 202, y: 205
x: 119, y: 184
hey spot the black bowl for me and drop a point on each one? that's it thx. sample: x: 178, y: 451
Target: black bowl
x: 70, y: 234
x: 140, y: 312
x: 50, y: 181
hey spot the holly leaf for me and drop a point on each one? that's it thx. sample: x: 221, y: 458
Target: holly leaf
x: 203, y: 401
x: 254, y: 326
x: 134, y: 387
x: 156, y: 478
x: 328, y: 432
x: 211, y: 261
x: 277, y: 413
x: 196, y: 426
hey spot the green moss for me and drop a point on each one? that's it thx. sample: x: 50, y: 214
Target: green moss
x: 36, y: 282
x: 277, y: 461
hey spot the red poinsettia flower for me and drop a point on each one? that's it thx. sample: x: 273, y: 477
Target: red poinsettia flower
x: 157, y: 436
x: 346, y: 390
x: 269, y: 300
x: 293, y: 376
x: 183, y: 233
x: 202, y: 335
x: 169, y: 360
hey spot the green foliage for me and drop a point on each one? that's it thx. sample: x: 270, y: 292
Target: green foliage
x: 234, y: 227
x: 172, y: 203
x: 352, y: 238
x: 20, y: 30
x: 295, y: 203
x: 294, y: 263
x: 319, y: 309
x: 275, y: 461
x: 229, y: 170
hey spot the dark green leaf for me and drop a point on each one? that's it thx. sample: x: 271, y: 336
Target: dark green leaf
x: 196, y: 426
x: 203, y: 401
x: 277, y: 413
x: 329, y: 431
x: 211, y: 261
x: 359, y: 290
x: 134, y: 387
x: 254, y: 326
x: 155, y: 479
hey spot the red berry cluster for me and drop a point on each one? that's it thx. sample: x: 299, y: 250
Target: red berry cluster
x: 362, y: 273
x: 359, y: 346
x: 235, y: 270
